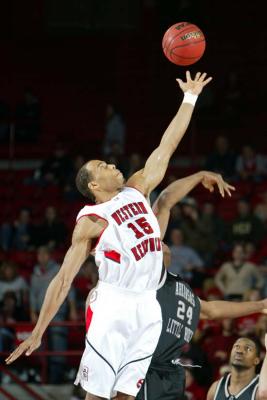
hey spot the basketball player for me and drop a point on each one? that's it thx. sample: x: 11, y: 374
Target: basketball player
x: 242, y: 383
x: 124, y: 233
x: 181, y: 308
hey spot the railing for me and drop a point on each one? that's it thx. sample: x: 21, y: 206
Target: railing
x: 42, y: 354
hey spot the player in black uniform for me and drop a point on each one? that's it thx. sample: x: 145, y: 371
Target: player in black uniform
x: 242, y: 383
x: 181, y: 308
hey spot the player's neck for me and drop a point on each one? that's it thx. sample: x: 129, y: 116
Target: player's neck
x: 242, y: 378
x: 105, y: 196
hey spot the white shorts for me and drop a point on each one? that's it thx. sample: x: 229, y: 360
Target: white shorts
x: 123, y: 328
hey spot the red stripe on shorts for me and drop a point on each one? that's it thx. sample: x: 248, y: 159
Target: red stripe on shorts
x: 113, y: 255
x: 89, y: 315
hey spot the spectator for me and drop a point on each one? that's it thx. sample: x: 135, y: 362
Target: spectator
x: 250, y: 166
x: 18, y: 235
x: 245, y: 326
x: 237, y: 276
x: 10, y: 281
x: 114, y: 130
x: 52, y: 231
x: 55, y: 169
x: 192, y: 228
x: 28, y: 117
x: 246, y: 227
x: 213, y: 230
x: 10, y: 312
x: 43, y: 273
x: 222, y: 159
x: 184, y: 260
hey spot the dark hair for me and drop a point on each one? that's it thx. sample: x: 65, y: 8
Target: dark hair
x: 256, y: 341
x: 84, y: 177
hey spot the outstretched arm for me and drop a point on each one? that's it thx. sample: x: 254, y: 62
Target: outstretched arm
x: 152, y: 174
x: 60, y: 285
x: 230, y: 309
x: 180, y: 188
x: 262, y: 390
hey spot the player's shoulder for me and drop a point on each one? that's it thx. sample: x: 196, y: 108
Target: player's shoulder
x: 214, y: 389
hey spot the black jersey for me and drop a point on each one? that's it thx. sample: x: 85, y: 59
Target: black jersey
x: 247, y: 393
x: 180, y: 314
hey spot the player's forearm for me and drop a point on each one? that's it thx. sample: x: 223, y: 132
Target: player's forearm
x: 177, y: 128
x: 230, y: 309
x: 177, y: 190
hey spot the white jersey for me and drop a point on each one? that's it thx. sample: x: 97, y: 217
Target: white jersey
x: 128, y: 252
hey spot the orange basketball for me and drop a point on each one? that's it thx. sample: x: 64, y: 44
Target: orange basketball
x: 183, y: 43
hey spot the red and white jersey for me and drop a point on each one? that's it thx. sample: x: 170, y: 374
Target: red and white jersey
x: 128, y: 252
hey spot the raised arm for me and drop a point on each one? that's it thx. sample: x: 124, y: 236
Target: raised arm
x: 180, y: 188
x: 262, y: 390
x: 230, y: 309
x: 152, y: 174
x: 59, y: 287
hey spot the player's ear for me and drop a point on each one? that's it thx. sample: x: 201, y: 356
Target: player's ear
x: 257, y: 361
x: 93, y: 186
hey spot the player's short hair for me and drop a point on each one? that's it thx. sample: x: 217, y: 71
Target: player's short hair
x: 83, y: 178
x: 256, y: 341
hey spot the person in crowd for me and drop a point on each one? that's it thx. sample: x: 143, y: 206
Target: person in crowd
x: 246, y: 227
x: 52, y: 231
x: 184, y: 260
x: 20, y: 234
x: 222, y: 159
x: 11, y: 281
x: 115, y: 130
x: 237, y: 276
x: 245, y: 326
x: 251, y: 166
x: 55, y: 169
x: 43, y: 272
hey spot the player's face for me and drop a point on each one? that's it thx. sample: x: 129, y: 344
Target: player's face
x: 106, y: 176
x: 244, y: 354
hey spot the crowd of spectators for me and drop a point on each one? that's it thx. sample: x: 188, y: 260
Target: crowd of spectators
x: 221, y: 256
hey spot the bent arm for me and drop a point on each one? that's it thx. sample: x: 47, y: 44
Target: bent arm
x: 229, y: 309
x: 262, y: 390
x: 172, y: 195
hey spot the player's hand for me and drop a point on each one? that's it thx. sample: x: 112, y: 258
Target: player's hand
x: 195, y: 85
x: 265, y: 341
x: 28, y: 346
x: 210, y: 179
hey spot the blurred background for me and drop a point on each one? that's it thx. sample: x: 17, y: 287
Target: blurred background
x: 82, y: 79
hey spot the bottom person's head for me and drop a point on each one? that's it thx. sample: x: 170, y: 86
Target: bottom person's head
x: 245, y: 354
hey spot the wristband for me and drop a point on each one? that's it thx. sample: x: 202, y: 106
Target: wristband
x: 190, y: 98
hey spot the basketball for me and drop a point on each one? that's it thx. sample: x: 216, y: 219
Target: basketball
x: 183, y: 43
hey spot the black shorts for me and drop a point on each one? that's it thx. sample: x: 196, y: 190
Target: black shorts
x: 163, y: 385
